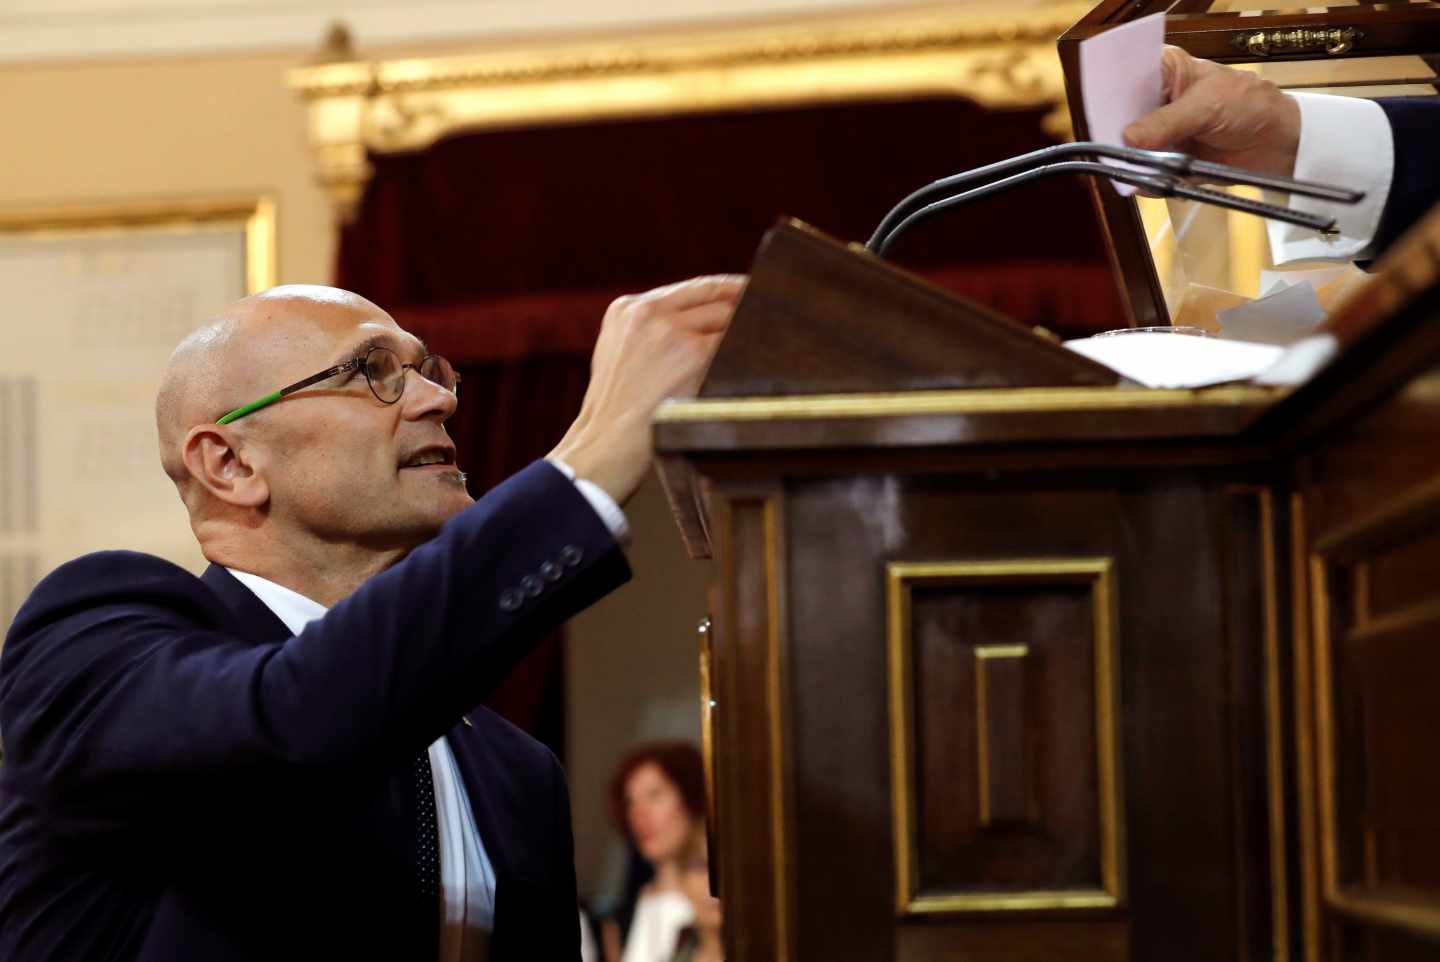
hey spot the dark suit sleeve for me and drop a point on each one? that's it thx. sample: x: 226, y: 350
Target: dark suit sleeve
x: 120, y: 700
x: 1415, y: 184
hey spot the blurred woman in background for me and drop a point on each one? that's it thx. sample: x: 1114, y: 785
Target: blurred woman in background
x: 657, y: 799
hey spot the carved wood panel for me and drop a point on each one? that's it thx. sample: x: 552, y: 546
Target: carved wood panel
x: 1002, y: 680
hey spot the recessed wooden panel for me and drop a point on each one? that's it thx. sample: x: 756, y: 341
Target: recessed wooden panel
x: 1003, y: 741
x: 1378, y: 654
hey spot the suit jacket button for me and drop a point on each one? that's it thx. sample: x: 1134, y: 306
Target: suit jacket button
x: 532, y: 586
x: 570, y: 556
x: 510, y: 600
x: 551, y: 571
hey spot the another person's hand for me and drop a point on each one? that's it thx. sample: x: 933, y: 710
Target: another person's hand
x: 1221, y: 114
x: 652, y: 346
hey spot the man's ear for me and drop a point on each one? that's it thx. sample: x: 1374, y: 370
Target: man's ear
x: 214, y: 458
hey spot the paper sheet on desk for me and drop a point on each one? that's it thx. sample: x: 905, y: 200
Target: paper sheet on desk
x: 1283, y: 316
x: 1161, y: 360
x: 1120, y: 79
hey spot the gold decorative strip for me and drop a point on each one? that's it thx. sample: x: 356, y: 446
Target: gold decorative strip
x: 1413, y: 616
x: 1274, y: 720
x: 832, y: 38
x: 1274, y: 734
x: 1396, y: 520
x: 777, y: 680
x: 982, y: 401
x: 1001, y: 59
x: 1324, y: 725
x: 983, y: 654
x: 1414, y: 917
x: 1304, y: 730
x: 708, y: 704
x: 1041, y: 901
x: 901, y: 577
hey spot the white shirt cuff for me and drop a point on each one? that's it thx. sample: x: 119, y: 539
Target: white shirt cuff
x: 1345, y: 141
x: 604, y: 505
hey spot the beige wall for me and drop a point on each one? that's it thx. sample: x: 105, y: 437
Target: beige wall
x: 83, y: 133
x: 93, y: 133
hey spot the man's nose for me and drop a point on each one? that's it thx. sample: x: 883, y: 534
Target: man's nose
x: 424, y: 398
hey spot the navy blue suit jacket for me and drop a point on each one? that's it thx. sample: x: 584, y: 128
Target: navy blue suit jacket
x: 183, y: 780
x: 1415, y: 187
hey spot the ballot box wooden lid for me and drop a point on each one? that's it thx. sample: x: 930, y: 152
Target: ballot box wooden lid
x: 1361, y: 48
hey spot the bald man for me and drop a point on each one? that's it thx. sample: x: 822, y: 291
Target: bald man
x: 284, y: 758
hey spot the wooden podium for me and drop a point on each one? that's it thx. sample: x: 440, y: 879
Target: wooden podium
x: 1011, y: 662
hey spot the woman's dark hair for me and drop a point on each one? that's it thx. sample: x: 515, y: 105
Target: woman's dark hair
x: 681, y: 764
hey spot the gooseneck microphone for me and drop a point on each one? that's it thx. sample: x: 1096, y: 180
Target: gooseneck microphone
x: 1160, y: 173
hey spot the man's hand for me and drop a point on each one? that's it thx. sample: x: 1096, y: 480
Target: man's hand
x: 652, y: 346
x: 1221, y: 114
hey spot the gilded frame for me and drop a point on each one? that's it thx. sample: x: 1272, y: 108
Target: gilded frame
x: 256, y: 215
x: 901, y: 578
x: 999, y: 59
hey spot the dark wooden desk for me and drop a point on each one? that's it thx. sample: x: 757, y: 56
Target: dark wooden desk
x: 1079, y: 673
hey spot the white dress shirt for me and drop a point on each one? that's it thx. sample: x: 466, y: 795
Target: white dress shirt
x: 1344, y: 141
x: 467, y: 878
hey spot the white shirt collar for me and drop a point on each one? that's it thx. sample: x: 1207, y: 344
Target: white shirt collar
x: 291, y: 607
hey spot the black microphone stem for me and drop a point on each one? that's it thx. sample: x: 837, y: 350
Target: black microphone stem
x: 1170, y: 162
x: 1162, y: 185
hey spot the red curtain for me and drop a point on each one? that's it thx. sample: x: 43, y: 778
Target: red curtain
x: 502, y: 250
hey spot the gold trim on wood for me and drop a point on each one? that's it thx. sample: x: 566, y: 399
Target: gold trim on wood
x: 777, y: 680
x: 1274, y: 734
x: 1000, y: 59
x: 984, y: 654
x: 1412, y: 917
x: 980, y: 401
x: 256, y: 215
x: 1304, y: 732
x: 1391, y: 523
x: 708, y: 705
x: 1274, y: 720
x: 901, y: 577
x: 752, y: 562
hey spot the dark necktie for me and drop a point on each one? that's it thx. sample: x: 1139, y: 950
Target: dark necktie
x: 427, y: 832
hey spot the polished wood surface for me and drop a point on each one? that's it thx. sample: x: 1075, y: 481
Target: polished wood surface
x: 1083, y: 673
x: 820, y: 317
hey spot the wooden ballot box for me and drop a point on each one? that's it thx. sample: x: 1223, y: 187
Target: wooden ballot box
x: 1010, y: 661
x: 1164, y: 253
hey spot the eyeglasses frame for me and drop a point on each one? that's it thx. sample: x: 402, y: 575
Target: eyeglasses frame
x: 361, y: 362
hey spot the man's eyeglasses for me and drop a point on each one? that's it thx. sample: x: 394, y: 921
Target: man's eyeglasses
x: 383, y: 370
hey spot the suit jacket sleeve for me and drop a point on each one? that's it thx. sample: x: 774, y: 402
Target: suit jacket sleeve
x: 1415, y: 185
x: 121, y: 697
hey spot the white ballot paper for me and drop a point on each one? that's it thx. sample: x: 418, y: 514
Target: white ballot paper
x: 1162, y: 360
x: 1120, y: 80
x: 1283, y: 316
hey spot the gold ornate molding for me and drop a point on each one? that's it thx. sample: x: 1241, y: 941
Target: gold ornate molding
x: 996, y: 59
